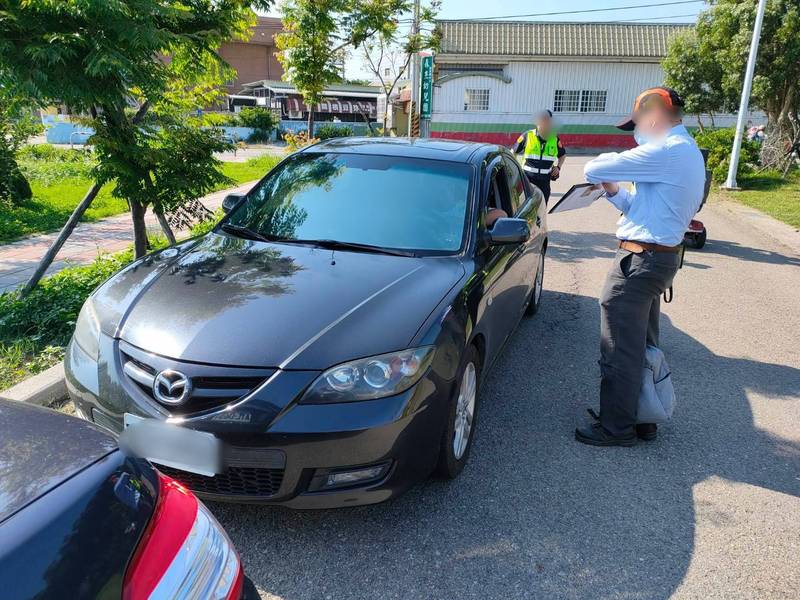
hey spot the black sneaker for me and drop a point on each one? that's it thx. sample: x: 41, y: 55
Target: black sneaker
x: 647, y: 431
x: 595, y: 435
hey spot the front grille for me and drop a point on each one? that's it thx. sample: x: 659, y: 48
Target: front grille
x: 236, y: 481
x: 211, y: 386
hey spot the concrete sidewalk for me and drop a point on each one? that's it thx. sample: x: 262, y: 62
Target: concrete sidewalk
x: 19, y: 259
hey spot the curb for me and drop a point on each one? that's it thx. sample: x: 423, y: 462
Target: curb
x: 778, y: 230
x: 44, y: 389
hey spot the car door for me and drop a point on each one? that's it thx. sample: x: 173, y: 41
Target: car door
x: 500, y: 301
x: 526, y: 202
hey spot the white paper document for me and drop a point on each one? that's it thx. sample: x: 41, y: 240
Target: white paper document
x: 578, y: 196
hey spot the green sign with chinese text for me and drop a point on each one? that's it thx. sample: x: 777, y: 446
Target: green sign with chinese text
x: 426, y: 87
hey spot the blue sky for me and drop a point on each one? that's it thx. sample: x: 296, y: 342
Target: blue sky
x: 663, y: 12
x: 473, y: 9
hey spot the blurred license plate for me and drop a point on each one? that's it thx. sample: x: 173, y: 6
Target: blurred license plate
x: 171, y: 445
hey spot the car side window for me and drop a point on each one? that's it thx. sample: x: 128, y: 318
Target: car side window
x: 516, y: 185
x: 499, y: 195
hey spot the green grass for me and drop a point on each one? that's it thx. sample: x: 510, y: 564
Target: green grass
x: 51, y: 206
x: 54, y: 198
x: 253, y: 169
x: 34, y: 329
x: 770, y: 194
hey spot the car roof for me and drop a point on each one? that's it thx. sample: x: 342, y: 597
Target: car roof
x: 40, y: 449
x: 427, y: 148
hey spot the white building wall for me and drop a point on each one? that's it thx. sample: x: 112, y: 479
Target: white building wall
x: 532, y: 89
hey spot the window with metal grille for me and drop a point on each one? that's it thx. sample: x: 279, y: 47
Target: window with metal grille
x: 476, y: 99
x: 566, y: 101
x: 593, y: 101
x: 579, y: 101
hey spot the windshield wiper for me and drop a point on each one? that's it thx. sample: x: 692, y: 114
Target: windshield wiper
x: 339, y: 245
x: 245, y: 232
x: 250, y: 234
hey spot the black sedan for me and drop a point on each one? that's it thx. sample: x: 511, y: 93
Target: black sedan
x: 331, y: 333
x: 78, y: 519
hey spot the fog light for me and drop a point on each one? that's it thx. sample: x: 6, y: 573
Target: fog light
x: 325, y: 479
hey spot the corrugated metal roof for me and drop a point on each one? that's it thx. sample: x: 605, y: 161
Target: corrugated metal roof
x: 285, y: 86
x: 525, y: 38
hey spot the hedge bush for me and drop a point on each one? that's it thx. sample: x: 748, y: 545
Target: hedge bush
x: 719, y: 142
x: 327, y: 131
x: 262, y: 120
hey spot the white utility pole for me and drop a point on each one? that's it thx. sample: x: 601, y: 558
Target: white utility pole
x: 414, y: 66
x: 730, y: 182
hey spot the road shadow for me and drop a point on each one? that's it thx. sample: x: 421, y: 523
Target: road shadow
x: 535, y: 514
x: 578, y: 246
x: 748, y: 253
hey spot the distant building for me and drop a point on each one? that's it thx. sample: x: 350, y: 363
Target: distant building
x: 353, y: 105
x: 493, y: 77
x: 255, y: 58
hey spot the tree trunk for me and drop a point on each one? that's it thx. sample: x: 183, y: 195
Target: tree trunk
x: 368, y: 122
x: 139, y: 228
x: 162, y: 220
x: 700, y: 123
x: 310, y: 123
x: 65, y: 232
x: 75, y: 217
x: 386, y: 116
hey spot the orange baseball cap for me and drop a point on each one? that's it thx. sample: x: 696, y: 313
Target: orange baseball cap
x: 666, y: 97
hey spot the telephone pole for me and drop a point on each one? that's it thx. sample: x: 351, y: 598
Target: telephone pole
x: 414, y: 66
x: 730, y: 182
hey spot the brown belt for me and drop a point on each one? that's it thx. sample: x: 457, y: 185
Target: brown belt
x: 639, y: 247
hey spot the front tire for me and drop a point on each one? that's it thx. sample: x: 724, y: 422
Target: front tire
x: 461, y: 417
x: 538, y: 285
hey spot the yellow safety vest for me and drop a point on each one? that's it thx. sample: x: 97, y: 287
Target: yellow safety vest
x: 541, y: 159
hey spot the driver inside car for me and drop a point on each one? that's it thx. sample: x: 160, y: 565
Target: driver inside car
x: 492, y: 214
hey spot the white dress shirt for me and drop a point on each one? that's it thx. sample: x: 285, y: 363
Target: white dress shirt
x: 669, y: 175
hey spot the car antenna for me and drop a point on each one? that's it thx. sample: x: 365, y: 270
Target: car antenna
x: 333, y: 257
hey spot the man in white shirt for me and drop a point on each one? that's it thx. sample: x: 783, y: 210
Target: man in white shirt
x: 669, y: 174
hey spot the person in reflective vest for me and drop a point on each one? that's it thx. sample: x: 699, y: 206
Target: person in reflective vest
x: 543, y: 152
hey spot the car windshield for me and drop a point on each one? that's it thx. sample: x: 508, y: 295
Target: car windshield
x: 387, y: 202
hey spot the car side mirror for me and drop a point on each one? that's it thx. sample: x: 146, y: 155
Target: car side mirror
x: 509, y: 231
x: 231, y: 201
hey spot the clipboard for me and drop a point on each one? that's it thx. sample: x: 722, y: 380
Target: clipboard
x: 580, y: 195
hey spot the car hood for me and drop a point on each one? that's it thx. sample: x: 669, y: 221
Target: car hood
x: 230, y: 301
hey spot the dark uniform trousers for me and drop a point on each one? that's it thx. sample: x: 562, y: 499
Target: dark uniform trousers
x: 630, y: 307
x: 543, y: 183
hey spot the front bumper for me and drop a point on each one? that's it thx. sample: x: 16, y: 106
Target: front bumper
x: 278, y: 447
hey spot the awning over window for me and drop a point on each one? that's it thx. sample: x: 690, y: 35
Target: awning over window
x: 335, y: 106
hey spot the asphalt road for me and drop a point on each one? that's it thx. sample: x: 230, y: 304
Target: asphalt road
x: 709, y: 510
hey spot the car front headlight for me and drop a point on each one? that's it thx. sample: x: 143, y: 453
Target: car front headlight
x: 87, y: 330
x: 370, y: 378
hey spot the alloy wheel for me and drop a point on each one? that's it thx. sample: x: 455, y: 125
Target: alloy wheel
x: 537, y: 286
x: 465, y: 411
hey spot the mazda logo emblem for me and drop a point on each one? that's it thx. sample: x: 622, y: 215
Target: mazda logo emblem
x: 171, y: 387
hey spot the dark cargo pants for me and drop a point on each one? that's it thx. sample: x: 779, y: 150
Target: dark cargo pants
x: 630, y: 307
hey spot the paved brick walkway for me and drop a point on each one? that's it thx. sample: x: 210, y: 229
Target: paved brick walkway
x: 19, y: 259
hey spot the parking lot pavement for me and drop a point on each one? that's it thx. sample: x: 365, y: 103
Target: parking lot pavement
x: 709, y: 510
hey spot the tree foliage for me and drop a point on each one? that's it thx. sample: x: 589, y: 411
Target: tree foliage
x: 695, y: 74
x: 709, y: 65
x: 317, y: 31
x: 101, y: 58
x: 392, y: 51
x: 16, y: 126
